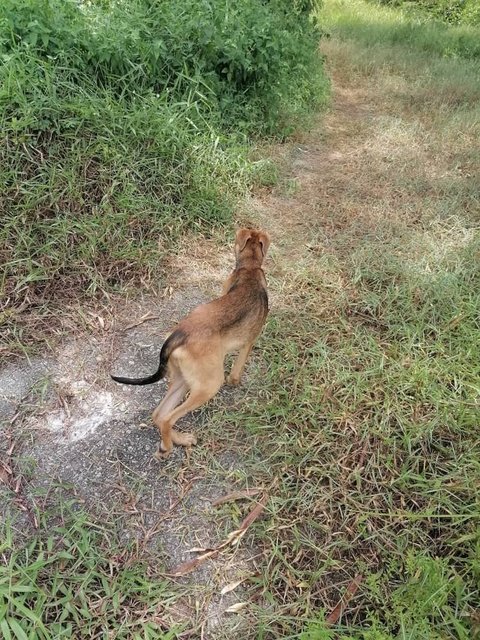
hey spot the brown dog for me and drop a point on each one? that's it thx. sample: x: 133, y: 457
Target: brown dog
x: 193, y: 355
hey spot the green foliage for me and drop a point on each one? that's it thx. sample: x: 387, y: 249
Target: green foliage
x: 250, y: 55
x: 450, y: 11
x: 50, y: 26
x: 80, y: 581
x: 431, y: 591
x: 128, y: 121
x: 366, y: 421
x: 471, y: 13
x: 408, y: 28
x: 395, y: 375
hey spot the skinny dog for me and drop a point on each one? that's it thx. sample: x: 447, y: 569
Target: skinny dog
x: 194, y: 353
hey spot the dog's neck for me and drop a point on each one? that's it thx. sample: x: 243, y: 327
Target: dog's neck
x: 248, y: 262
x: 250, y: 258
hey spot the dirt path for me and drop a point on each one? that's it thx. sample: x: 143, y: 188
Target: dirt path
x: 83, y: 431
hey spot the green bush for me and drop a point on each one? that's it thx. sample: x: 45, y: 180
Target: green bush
x: 124, y: 120
x: 250, y: 55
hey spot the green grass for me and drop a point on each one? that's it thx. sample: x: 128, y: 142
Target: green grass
x: 367, y: 430
x: 386, y: 25
x: 124, y: 124
x: 77, y: 578
x: 361, y: 421
x: 449, y: 11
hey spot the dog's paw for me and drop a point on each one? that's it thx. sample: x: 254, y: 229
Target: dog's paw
x: 233, y: 381
x: 184, y: 439
x: 189, y: 440
x: 161, y: 454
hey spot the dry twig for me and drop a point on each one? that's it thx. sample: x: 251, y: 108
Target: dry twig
x: 235, y: 536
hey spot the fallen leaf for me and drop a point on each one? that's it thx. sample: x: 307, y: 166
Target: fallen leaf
x: 351, y: 590
x: 235, y: 608
x: 230, y: 587
x: 191, y: 565
x: 145, y: 318
x: 234, y: 536
x: 6, y: 467
x: 302, y: 585
x: 253, y: 515
x: 236, y: 495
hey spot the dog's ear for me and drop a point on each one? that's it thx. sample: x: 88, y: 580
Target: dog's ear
x: 241, y: 239
x: 264, y: 240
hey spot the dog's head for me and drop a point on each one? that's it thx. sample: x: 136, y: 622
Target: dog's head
x: 251, y: 244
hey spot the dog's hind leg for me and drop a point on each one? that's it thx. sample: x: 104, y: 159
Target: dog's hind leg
x: 175, y: 393
x: 200, y: 393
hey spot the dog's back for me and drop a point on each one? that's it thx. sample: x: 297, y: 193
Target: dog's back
x: 233, y: 318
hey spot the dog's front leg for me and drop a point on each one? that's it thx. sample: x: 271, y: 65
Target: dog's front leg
x: 239, y: 364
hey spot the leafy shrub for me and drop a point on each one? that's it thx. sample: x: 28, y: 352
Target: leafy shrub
x: 126, y: 120
x: 471, y: 13
x: 250, y: 56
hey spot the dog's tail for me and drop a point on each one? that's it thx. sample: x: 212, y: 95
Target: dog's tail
x: 177, y: 338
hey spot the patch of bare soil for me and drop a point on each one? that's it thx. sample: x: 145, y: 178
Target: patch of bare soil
x: 85, y: 434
